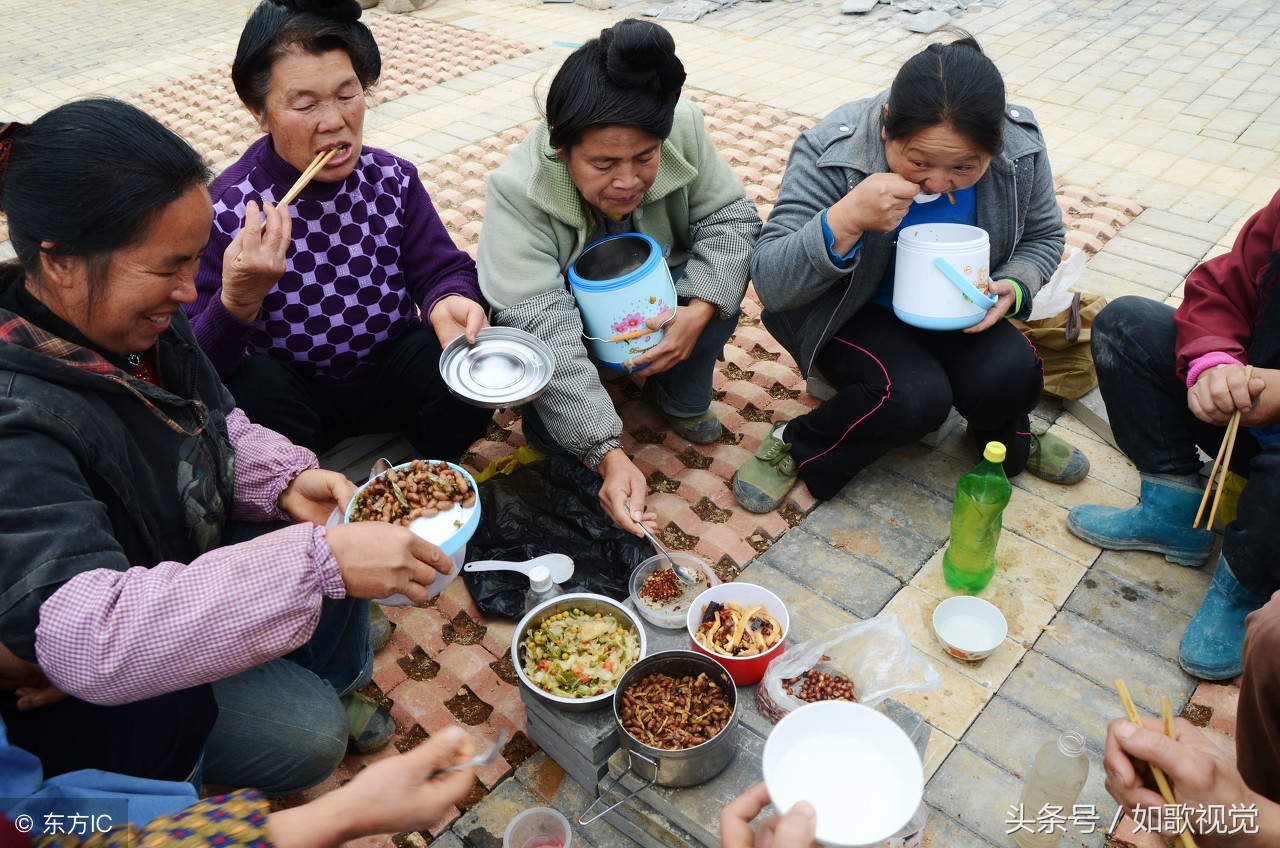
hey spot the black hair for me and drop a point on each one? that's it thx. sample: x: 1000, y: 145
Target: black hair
x: 953, y: 85
x: 88, y: 179
x: 278, y: 27
x: 630, y: 75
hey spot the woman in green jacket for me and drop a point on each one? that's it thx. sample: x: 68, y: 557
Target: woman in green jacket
x: 619, y: 152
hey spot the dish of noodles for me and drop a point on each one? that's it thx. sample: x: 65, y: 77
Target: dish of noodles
x: 576, y: 654
x: 731, y: 630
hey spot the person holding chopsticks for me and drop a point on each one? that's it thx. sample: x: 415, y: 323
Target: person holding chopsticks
x: 1172, y: 379
x: 330, y: 342
x: 164, y: 561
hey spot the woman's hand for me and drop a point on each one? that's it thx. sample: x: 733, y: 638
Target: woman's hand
x: 378, y: 560
x: 1221, y: 390
x: 623, y: 482
x: 878, y: 203
x: 394, y: 795
x: 1007, y: 293
x: 678, y: 337
x: 454, y: 315
x: 794, y: 830
x: 255, y: 260
x: 1202, y: 775
x: 314, y: 494
x: 26, y: 681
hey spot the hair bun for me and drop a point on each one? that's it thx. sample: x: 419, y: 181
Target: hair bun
x: 347, y: 11
x: 642, y: 54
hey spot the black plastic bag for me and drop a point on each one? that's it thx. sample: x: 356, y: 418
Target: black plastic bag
x: 549, y: 507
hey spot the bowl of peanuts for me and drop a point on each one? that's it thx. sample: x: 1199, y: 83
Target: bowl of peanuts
x: 436, y: 500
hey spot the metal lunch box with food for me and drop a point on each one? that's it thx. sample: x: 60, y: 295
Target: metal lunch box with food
x: 503, y: 367
x: 587, y: 605
x: 673, y: 767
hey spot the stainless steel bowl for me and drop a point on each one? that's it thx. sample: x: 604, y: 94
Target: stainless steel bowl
x: 688, y: 766
x: 586, y: 602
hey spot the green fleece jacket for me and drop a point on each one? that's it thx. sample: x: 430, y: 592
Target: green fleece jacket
x: 537, y: 223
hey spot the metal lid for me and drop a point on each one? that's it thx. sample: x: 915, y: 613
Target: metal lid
x: 505, y: 367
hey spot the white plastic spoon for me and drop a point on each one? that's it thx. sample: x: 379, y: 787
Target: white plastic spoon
x: 560, y: 566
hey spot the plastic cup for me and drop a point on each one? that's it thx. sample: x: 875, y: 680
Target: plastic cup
x: 539, y: 827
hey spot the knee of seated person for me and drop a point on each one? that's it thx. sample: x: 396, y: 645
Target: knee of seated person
x: 1124, y: 316
x: 311, y: 739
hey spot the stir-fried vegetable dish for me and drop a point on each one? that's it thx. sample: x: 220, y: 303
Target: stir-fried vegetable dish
x: 576, y: 654
x: 731, y: 631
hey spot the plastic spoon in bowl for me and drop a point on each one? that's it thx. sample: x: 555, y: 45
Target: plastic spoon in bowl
x: 684, y: 572
x: 560, y: 566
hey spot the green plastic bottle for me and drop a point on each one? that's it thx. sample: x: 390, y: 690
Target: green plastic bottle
x: 976, y: 518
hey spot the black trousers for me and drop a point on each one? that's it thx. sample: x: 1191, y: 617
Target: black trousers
x: 1133, y: 351
x: 403, y: 393
x: 897, y: 383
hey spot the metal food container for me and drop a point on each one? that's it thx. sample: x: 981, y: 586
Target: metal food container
x: 586, y: 602
x: 685, y: 767
x: 504, y: 367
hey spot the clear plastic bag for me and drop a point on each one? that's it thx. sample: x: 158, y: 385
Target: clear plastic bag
x: 875, y: 654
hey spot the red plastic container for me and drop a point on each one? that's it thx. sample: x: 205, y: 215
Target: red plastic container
x: 743, y: 670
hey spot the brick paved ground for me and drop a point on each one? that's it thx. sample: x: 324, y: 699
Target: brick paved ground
x: 1163, y: 126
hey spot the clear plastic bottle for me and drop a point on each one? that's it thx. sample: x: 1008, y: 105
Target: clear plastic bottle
x: 976, y: 518
x: 541, y: 587
x: 1056, y: 779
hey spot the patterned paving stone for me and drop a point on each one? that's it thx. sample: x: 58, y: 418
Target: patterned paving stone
x: 843, y: 579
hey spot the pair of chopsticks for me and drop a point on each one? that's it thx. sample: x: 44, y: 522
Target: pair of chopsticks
x: 1162, y: 781
x: 1223, y: 459
x: 322, y: 159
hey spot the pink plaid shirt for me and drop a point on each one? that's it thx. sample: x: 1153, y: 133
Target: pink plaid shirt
x: 112, y: 637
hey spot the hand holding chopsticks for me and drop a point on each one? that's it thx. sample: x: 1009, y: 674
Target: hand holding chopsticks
x: 1161, y: 780
x: 1223, y: 459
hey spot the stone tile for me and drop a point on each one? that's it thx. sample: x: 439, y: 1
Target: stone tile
x: 915, y: 610
x: 1111, y: 603
x: 1062, y: 697
x: 975, y: 793
x: 845, y: 580
x: 811, y: 614
x: 944, y: 831
x: 901, y: 503
x: 1177, y: 586
x: 882, y: 542
x: 939, y: 748
x: 1046, y: 523
x: 1103, y: 657
x: 953, y: 706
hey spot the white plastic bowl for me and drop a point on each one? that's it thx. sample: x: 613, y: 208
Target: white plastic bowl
x: 856, y: 767
x: 968, y: 627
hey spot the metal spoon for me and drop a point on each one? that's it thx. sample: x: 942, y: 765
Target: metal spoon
x: 481, y: 759
x: 684, y: 572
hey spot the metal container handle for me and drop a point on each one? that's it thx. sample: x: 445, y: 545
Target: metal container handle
x: 633, y: 756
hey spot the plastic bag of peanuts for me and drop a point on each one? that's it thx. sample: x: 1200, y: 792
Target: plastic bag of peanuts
x: 866, y: 661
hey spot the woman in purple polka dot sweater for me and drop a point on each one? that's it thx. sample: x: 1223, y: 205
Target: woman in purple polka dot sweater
x: 330, y: 343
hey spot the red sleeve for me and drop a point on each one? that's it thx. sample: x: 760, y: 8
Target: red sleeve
x: 10, y: 836
x: 1220, y: 301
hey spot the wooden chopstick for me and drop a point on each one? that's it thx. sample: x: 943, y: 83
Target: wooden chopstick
x: 1223, y: 459
x: 322, y: 159
x: 1163, y: 782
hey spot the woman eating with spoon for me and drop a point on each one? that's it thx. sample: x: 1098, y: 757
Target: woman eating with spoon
x: 940, y: 147
x: 330, y: 342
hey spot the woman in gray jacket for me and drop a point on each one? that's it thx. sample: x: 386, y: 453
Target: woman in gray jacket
x: 824, y: 269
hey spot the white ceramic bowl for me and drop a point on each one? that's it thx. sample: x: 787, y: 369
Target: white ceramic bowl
x: 968, y: 627
x: 670, y: 614
x: 855, y: 765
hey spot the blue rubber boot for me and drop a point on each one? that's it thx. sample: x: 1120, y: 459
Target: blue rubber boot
x: 1213, y: 643
x: 1160, y: 522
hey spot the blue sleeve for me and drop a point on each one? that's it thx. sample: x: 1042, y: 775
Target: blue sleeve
x: 829, y: 239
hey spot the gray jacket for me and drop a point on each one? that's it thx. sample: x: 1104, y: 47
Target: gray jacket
x: 807, y: 298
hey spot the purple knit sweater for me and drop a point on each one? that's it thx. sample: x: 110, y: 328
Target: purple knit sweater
x: 367, y: 254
